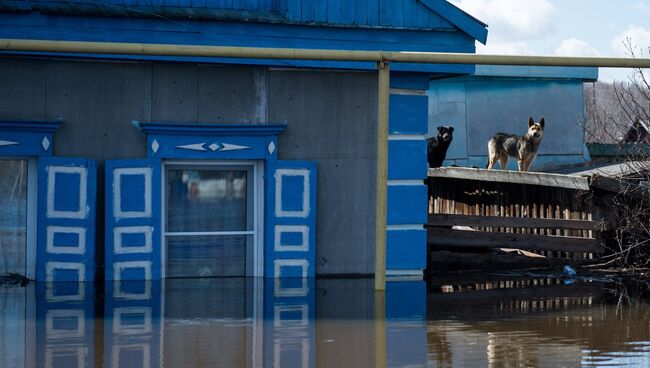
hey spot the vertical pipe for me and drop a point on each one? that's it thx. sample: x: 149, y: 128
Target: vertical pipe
x: 382, y: 174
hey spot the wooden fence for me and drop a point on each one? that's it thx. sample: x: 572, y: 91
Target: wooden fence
x: 549, y: 214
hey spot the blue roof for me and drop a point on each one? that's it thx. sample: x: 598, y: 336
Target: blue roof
x: 433, y: 15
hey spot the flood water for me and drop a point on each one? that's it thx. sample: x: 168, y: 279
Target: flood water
x: 502, y: 320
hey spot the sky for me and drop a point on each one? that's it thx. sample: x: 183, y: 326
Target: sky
x: 564, y: 28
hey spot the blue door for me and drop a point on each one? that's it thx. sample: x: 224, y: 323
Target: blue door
x: 133, y: 219
x: 290, y: 242
x: 66, y: 219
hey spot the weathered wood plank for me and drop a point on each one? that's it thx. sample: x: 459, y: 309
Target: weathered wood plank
x: 520, y: 222
x: 514, y: 177
x: 484, y: 239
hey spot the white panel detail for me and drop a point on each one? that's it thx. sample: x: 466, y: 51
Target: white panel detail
x: 193, y: 147
x: 406, y: 137
x: 405, y: 227
x: 131, y: 329
x: 406, y: 182
x: 155, y: 146
x: 8, y: 143
x: 80, y: 248
x: 50, y: 267
x: 66, y: 351
x: 214, y: 147
x: 117, y: 239
x: 45, y: 143
x: 146, y: 355
x: 278, y: 322
x: 51, y: 184
x: 279, y: 229
x: 49, y: 287
x: 279, y: 291
x: 280, y: 345
x: 232, y: 147
x: 117, y: 192
x: 54, y: 333
x: 119, y: 294
x: 271, y: 148
x: 279, y: 174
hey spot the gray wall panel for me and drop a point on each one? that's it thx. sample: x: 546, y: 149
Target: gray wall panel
x: 332, y: 119
x: 22, y: 89
x: 174, y: 93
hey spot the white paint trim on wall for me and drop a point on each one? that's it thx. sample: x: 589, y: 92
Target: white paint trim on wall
x: 79, y: 249
x: 278, y: 322
x: 278, y: 291
x: 53, y: 333
x: 117, y: 192
x: 76, y: 266
x: 407, y: 137
x: 280, y: 229
x: 279, y: 174
x: 118, y: 248
x: 406, y: 182
x: 80, y: 353
x: 405, y: 227
x: 146, y: 354
x: 398, y: 273
x: 83, y: 195
x: 118, y: 294
x: 118, y: 267
x: 122, y: 329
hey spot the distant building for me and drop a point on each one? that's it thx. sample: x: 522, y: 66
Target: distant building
x: 638, y: 133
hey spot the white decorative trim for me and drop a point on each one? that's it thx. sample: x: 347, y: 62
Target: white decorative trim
x: 406, y: 182
x: 279, y: 229
x: 404, y: 273
x: 271, y: 147
x: 51, y: 184
x: 155, y: 146
x: 278, y: 322
x: 144, y: 347
x: 214, y: 146
x: 76, y: 266
x: 193, y: 147
x: 79, y: 352
x: 118, y: 267
x: 278, y: 349
x: 232, y: 147
x: 407, y: 137
x: 45, y: 143
x: 118, y: 248
x: 408, y: 92
x: 279, y: 173
x: 79, y: 249
x: 117, y: 192
x: 404, y: 227
x: 277, y: 273
x: 126, y: 329
x: 52, y: 333
x: 8, y: 143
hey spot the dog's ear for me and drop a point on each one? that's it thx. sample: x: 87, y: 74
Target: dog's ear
x: 439, y: 129
x: 531, y: 122
x: 541, y: 122
x: 451, y: 129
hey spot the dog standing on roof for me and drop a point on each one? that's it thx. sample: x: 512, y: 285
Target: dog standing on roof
x: 524, y: 148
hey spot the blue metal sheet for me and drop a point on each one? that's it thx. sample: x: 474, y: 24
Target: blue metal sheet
x: 406, y: 249
x: 407, y: 159
x: 407, y: 204
x: 408, y: 114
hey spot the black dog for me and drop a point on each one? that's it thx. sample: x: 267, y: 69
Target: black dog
x: 437, y: 146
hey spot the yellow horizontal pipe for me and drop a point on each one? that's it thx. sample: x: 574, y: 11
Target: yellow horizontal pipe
x: 314, y: 54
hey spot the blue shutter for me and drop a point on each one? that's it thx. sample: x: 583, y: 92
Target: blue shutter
x: 290, y: 243
x: 66, y: 219
x: 132, y: 219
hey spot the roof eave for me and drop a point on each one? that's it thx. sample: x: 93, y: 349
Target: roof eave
x: 459, y: 18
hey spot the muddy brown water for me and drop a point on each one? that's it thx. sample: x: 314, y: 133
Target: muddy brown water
x: 471, y: 320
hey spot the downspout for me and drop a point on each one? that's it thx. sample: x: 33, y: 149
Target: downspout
x: 381, y: 57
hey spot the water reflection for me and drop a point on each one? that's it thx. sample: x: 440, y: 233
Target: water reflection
x: 449, y: 321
